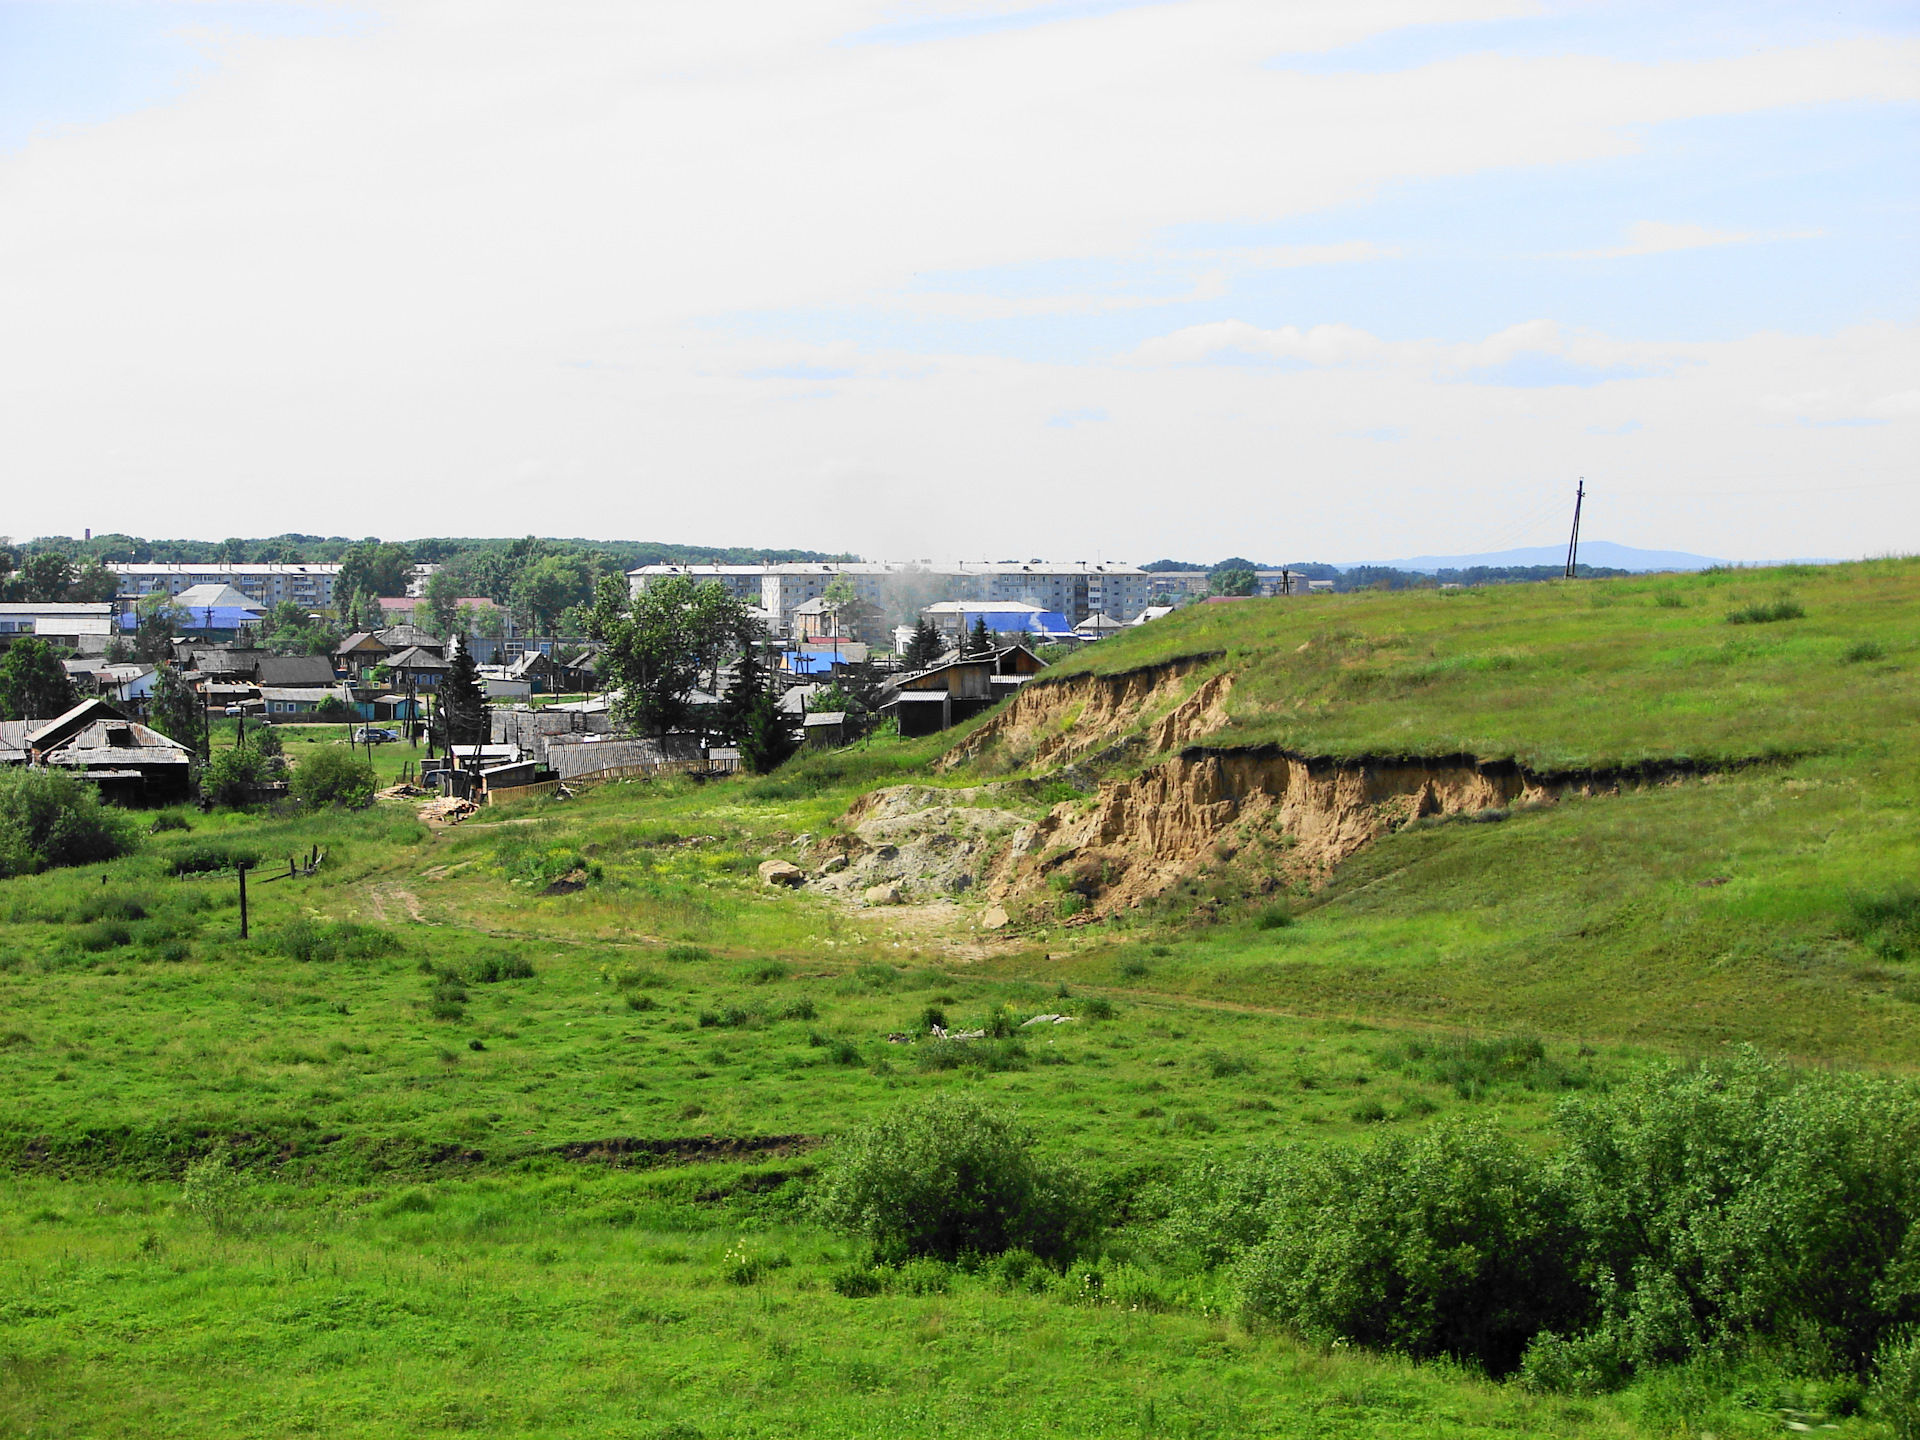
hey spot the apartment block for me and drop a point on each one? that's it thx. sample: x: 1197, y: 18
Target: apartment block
x: 309, y: 585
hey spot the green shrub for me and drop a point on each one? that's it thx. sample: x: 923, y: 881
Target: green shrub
x: 231, y: 775
x: 207, y: 857
x: 50, y: 817
x: 103, y: 935
x: 1741, y: 1202
x: 1097, y: 1008
x: 1767, y: 612
x: 761, y: 972
x: 335, y: 775
x: 1896, y: 1383
x: 1862, y: 652
x: 949, y: 1176
x: 1274, y: 917
x: 109, y: 907
x: 685, y: 953
x: 1368, y: 1112
x: 312, y: 941
x: 1444, y: 1244
x: 216, y: 1193
x: 857, y: 1282
x: 801, y: 1009
x: 168, y: 820
x: 492, y: 969
x: 642, y: 1003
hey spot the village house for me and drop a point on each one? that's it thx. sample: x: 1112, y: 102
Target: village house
x: 953, y: 689
x: 131, y: 763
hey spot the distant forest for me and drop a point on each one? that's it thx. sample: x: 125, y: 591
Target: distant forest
x: 545, y: 584
x: 1385, y: 577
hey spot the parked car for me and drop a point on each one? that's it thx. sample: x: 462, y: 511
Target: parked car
x: 369, y: 735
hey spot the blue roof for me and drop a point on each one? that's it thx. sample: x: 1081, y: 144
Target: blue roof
x: 1012, y: 622
x: 800, y: 662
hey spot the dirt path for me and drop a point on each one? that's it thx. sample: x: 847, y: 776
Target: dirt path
x: 390, y: 895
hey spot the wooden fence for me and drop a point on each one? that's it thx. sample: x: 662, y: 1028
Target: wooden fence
x: 506, y: 794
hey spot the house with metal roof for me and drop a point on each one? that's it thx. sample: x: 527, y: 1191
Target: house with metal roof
x: 132, y: 763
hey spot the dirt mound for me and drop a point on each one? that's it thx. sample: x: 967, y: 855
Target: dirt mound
x: 924, y: 840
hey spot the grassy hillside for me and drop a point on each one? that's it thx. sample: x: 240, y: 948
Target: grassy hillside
x: 494, y: 1159
x: 1567, y: 675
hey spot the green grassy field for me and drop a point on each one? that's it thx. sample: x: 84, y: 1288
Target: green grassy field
x: 504, y: 1161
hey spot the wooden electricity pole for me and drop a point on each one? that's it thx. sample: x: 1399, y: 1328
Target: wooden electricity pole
x: 1573, y: 542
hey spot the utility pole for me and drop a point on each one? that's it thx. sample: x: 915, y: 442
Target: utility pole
x: 242, y: 867
x: 1573, y: 542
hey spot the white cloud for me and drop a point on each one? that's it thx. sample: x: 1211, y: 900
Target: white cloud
x: 1658, y: 237
x: 478, y: 235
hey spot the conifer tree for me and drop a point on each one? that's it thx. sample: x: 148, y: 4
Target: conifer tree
x: 980, y: 639
x: 463, y: 702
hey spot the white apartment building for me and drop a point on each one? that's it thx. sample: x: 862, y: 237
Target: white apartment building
x: 309, y: 585
x: 1075, y: 590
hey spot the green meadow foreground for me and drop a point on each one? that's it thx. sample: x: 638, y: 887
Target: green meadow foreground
x: 437, y: 1149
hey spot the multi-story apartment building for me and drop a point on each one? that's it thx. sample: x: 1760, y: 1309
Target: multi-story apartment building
x: 308, y: 585
x: 1075, y: 590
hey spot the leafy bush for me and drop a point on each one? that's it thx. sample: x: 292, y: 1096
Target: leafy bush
x: 49, y: 818
x: 493, y: 968
x: 103, y: 935
x: 215, y: 1192
x: 1274, y: 917
x: 1444, y: 1244
x: 1740, y: 1201
x: 1862, y: 652
x: 208, y: 857
x: 232, y: 774
x: 168, y: 820
x: 949, y: 1176
x: 109, y: 907
x: 1896, y: 1383
x: 1767, y: 612
x: 1098, y: 1008
x: 312, y: 941
x: 334, y: 776
x: 685, y: 953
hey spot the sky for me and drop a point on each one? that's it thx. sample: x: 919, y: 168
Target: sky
x: 966, y: 279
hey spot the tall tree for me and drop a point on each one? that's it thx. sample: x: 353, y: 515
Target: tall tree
x: 157, y: 619
x: 33, y: 684
x: 45, y: 578
x: 231, y: 551
x: 178, y: 712
x: 980, y: 639
x: 926, y: 646
x: 442, y: 601
x: 753, y: 719
x: 93, y: 583
x: 374, y: 569
x: 550, y: 585
x: 463, y: 701
x: 1237, y: 581
x: 659, y: 640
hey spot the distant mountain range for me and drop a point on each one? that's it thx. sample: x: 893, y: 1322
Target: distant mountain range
x: 1592, y: 552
